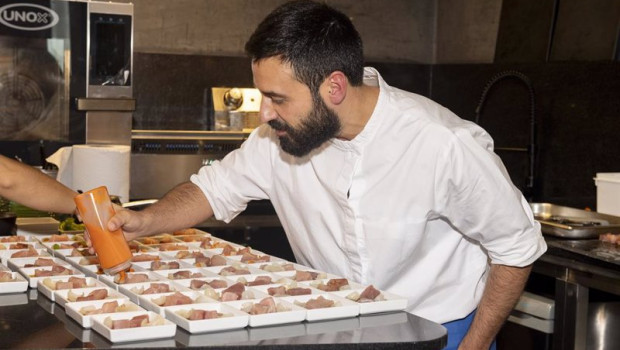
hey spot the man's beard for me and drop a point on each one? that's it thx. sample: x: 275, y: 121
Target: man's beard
x: 318, y: 126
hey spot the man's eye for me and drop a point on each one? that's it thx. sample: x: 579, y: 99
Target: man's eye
x: 277, y: 101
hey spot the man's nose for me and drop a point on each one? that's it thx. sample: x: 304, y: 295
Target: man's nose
x: 267, y: 112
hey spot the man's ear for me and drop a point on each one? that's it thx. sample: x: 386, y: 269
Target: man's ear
x: 336, y: 87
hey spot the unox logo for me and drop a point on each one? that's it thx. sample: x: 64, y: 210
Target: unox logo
x: 23, y: 16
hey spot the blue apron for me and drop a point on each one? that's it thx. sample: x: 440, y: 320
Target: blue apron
x: 457, y: 330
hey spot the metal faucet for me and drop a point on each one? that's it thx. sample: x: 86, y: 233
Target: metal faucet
x: 531, y: 149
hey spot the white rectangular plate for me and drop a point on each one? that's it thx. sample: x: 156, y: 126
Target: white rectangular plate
x: 17, y: 263
x: 29, y: 272
x: 73, y: 309
x: 109, y: 280
x: 295, y: 314
x: 48, y: 292
x: 6, y: 254
x: 315, y: 283
x: 392, y: 302
x: 167, y: 330
x: 265, y: 289
x: 147, y: 302
x: 62, y: 296
x: 291, y: 275
x: 131, y: 288
x: 217, y: 270
x: 169, y: 274
x: 235, y: 319
x: 344, y: 308
x: 18, y: 285
x: 186, y: 283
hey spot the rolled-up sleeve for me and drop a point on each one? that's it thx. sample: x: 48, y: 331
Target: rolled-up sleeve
x: 476, y: 196
x: 238, y: 178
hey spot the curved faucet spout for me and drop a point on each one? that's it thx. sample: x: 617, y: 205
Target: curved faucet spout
x: 531, y: 150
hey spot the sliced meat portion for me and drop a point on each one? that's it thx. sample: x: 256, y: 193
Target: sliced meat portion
x: 6, y: 276
x: 19, y: 246
x: 265, y: 306
x: 25, y: 253
x: 144, y: 257
x: 319, y: 303
x: 218, y: 284
x: 97, y: 294
x: 369, y: 294
x: 109, y: 306
x: 305, y: 275
x: 197, y: 284
x: 218, y: 260
x: 137, y: 321
x: 79, y: 252
x: 228, y: 250
x: 156, y: 288
x: 250, y: 258
x: 231, y: 270
x: 206, y: 243
x: 333, y: 284
x: 133, y: 278
x: 177, y: 299
x: 168, y: 265
x: 196, y: 314
x: 121, y: 324
x: 260, y: 281
x: 234, y: 292
x: 78, y: 282
x: 298, y: 291
x: 42, y: 262
x: 8, y: 239
x: 59, y: 238
x: 184, y: 274
x: 277, y: 291
x: 56, y: 270
x: 172, y: 246
x: 202, y: 261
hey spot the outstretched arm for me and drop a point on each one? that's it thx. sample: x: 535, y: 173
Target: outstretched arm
x: 184, y: 206
x: 503, y: 289
x: 28, y: 186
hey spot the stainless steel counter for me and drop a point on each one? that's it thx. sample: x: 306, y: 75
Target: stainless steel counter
x: 30, y: 320
x: 575, y: 274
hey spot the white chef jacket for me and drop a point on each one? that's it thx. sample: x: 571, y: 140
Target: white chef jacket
x: 416, y: 204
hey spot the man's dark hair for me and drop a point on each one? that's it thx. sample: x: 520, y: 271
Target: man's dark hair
x: 314, y: 38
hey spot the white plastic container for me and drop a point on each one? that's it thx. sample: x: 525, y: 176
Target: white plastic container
x: 608, y: 193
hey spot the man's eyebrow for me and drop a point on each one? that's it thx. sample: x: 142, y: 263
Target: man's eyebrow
x: 272, y: 94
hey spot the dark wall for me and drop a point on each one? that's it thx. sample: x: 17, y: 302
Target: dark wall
x: 170, y: 89
x: 576, y: 109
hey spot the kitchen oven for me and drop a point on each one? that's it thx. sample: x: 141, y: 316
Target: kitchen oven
x: 65, y: 72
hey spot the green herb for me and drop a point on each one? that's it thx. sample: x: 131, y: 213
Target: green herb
x: 69, y: 224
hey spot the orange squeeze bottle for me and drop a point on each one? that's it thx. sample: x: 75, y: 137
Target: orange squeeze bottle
x: 96, y: 209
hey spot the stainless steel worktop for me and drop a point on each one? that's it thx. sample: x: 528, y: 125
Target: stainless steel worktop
x: 30, y: 320
x: 575, y: 273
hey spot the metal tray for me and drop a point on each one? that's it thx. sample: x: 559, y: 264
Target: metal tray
x: 573, y: 223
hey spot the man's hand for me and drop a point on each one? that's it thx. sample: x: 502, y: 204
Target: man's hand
x: 133, y: 223
x: 130, y: 222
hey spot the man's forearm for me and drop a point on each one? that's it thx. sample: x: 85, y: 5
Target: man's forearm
x: 184, y: 206
x: 503, y: 289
